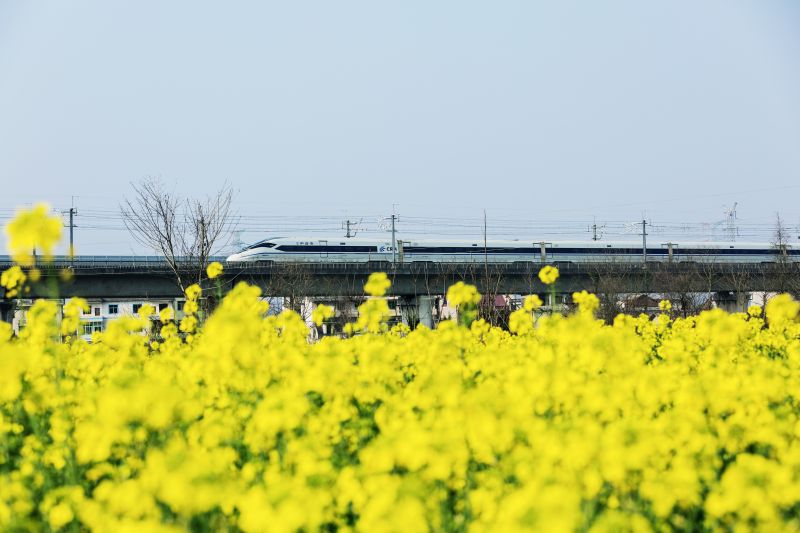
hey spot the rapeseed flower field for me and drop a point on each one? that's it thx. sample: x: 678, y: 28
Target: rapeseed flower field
x: 239, y: 423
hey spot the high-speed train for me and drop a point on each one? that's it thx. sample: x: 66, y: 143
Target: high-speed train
x: 355, y: 250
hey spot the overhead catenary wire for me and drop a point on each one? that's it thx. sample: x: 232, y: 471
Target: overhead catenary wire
x: 97, y: 223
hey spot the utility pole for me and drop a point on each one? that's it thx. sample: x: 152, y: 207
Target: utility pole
x: 596, y: 236
x: 72, y: 212
x: 644, y: 241
x: 394, y: 240
x: 489, y: 309
x: 485, y: 251
x: 730, y: 226
x: 351, y: 227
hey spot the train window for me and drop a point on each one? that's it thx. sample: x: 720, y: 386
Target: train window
x: 341, y: 243
x: 474, y: 245
x: 608, y: 246
x: 261, y: 245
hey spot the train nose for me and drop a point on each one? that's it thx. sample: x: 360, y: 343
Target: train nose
x: 233, y: 258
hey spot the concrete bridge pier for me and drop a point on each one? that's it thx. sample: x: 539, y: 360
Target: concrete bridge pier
x: 425, y: 310
x: 417, y: 310
x: 732, y: 302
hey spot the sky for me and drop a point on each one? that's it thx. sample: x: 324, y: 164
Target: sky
x: 545, y: 116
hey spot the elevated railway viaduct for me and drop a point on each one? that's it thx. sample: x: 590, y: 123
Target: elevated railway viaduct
x: 114, y: 277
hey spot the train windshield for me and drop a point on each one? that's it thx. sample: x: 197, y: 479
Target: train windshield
x: 261, y: 244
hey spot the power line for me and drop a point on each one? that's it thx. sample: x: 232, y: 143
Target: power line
x: 96, y: 222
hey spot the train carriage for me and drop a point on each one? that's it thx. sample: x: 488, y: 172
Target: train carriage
x: 356, y: 250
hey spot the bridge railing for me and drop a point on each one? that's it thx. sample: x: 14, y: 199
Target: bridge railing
x: 158, y: 263
x: 104, y: 261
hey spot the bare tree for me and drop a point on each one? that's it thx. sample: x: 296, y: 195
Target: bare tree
x: 781, y: 239
x: 685, y: 287
x: 187, y: 232
x: 290, y: 284
x: 609, y: 286
x: 785, y: 274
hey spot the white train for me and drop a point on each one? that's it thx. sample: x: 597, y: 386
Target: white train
x: 355, y: 250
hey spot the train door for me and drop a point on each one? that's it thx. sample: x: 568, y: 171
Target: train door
x: 323, y: 249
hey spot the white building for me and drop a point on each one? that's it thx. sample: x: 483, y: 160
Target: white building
x: 103, y: 310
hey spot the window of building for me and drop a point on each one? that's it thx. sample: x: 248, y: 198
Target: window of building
x: 96, y: 311
x: 136, y: 308
x: 113, y: 309
x: 92, y: 327
x: 179, y: 305
x: 161, y: 307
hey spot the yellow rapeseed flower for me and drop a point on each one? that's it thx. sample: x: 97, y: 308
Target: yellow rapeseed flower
x: 190, y: 307
x: 462, y: 293
x: 377, y: 284
x: 188, y: 324
x: 214, y: 269
x: 320, y: 313
x: 166, y: 314
x: 665, y: 305
x: 12, y: 279
x: 782, y: 309
x: 33, y: 229
x: 532, y: 302
x: 548, y: 274
x: 193, y: 292
x: 587, y: 303
x: 243, y: 423
x: 59, y: 516
x: 520, y: 321
x: 72, y: 315
x: 372, y: 315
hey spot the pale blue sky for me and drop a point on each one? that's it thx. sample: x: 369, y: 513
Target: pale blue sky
x: 538, y: 111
